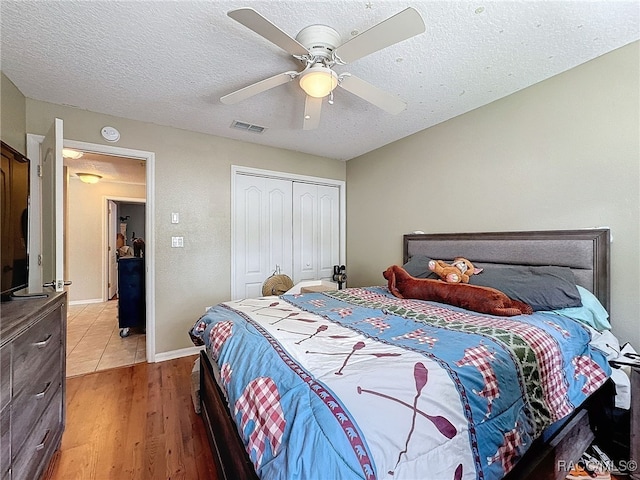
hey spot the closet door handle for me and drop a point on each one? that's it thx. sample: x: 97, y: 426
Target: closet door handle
x: 44, y: 342
x: 41, y: 445
x: 43, y: 392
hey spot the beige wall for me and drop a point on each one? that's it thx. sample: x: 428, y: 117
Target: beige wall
x: 192, y: 177
x: 561, y: 154
x: 12, y: 115
x: 86, y: 234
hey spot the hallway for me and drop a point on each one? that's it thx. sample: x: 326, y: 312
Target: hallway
x: 94, y: 342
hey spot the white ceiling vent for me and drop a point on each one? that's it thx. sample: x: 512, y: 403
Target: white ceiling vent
x: 248, y: 127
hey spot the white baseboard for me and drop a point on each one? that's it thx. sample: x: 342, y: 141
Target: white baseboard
x: 84, y: 302
x: 183, y: 352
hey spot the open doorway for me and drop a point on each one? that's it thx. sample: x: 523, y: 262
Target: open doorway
x: 77, y: 241
x: 100, y: 309
x: 125, y: 282
x: 125, y: 236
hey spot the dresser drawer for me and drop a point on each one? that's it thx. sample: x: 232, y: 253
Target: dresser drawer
x: 42, y: 442
x: 32, y: 377
x: 5, y: 375
x: 5, y: 444
x: 32, y: 349
x: 34, y: 398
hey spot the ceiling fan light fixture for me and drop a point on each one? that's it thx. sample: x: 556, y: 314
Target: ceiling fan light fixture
x: 318, y: 81
x: 88, y: 177
x: 71, y: 153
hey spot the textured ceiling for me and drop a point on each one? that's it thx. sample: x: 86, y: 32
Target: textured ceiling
x: 169, y: 62
x: 110, y: 168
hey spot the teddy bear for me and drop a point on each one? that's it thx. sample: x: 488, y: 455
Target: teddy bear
x: 458, y: 272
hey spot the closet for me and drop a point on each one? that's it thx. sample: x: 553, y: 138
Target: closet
x: 289, y: 225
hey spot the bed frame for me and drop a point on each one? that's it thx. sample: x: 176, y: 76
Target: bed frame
x: 586, y: 252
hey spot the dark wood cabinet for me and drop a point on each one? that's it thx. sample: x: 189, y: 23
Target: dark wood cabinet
x: 131, y: 294
x: 32, y: 399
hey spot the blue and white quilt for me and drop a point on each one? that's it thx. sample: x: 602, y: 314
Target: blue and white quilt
x: 360, y: 384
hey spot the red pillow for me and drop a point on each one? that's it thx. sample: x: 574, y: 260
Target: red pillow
x: 471, y: 297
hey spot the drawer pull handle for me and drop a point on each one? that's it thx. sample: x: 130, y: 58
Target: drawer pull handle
x: 40, y: 446
x: 43, y: 392
x: 44, y: 342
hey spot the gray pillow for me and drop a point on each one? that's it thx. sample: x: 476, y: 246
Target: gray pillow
x: 542, y: 287
x: 418, y: 266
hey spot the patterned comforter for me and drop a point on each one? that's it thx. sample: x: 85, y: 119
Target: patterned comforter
x: 360, y: 384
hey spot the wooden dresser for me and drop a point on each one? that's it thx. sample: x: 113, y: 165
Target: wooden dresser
x: 32, y: 381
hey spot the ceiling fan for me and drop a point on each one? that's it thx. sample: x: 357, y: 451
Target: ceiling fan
x: 319, y: 48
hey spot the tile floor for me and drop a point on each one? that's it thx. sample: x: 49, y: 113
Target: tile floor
x: 94, y: 342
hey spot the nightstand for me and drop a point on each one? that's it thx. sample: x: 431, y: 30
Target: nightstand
x: 318, y: 288
x: 313, y: 286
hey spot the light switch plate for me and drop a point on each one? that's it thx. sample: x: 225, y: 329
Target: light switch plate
x: 175, y: 217
x: 177, y: 242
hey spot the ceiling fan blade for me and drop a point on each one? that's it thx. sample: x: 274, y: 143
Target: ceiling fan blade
x: 258, y: 87
x: 256, y: 22
x: 406, y: 24
x: 372, y: 94
x: 312, y: 109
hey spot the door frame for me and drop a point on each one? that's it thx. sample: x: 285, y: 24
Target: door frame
x: 112, y: 242
x: 105, y: 236
x: 33, y: 151
x: 257, y: 172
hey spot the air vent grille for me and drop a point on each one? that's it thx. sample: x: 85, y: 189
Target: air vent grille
x: 249, y: 127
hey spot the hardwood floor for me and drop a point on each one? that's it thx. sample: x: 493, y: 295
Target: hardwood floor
x: 134, y: 422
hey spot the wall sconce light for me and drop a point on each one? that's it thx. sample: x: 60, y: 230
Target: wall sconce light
x: 319, y: 81
x: 89, y: 177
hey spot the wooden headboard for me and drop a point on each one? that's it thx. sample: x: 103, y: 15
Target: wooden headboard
x: 585, y: 252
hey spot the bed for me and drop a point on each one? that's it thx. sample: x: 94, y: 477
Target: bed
x: 358, y: 383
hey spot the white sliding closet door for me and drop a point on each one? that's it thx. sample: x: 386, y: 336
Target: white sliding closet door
x: 262, y: 232
x: 316, y: 231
